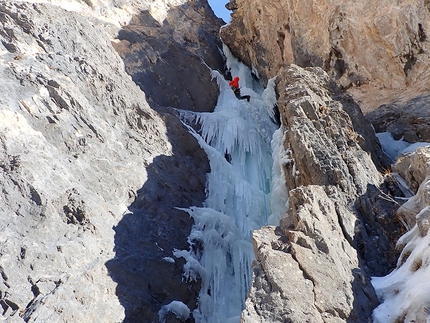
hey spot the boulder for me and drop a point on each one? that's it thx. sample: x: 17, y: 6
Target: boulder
x: 414, y: 167
x: 280, y: 292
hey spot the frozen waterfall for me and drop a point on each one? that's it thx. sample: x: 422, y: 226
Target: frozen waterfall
x: 240, y: 139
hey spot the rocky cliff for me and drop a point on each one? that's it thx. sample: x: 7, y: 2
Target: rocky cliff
x: 94, y: 165
x: 315, y: 266
x: 90, y: 173
x: 341, y: 225
x: 378, y: 50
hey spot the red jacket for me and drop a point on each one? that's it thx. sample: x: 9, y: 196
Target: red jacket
x: 234, y: 82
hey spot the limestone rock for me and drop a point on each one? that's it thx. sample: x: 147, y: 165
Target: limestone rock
x: 321, y: 134
x: 415, y: 167
x: 90, y: 175
x: 376, y: 50
x: 314, y: 275
x: 171, y: 60
x: 279, y: 280
x: 423, y: 221
x: 331, y: 174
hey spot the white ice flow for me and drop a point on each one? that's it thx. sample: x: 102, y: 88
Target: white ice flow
x: 237, y: 138
x: 405, y: 292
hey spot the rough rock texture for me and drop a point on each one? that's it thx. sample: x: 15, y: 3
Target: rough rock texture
x: 168, y: 59
x: 415, y: 169
x: 90, y: 175
x: 379, y: 50
x: 409, y: 120
x: 329, y: 172
x: 273, y: 261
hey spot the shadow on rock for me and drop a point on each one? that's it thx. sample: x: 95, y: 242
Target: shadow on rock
x: 376, y: 233
x: 379, y: 228
x: 147, y: 274
x: 365, y: 300
x: 168, y: 60
x: 408, y: 121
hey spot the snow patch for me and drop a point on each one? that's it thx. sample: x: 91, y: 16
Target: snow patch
x: 178, y: 308
x: 411, y: 148
x: 391, y: 147
x: 169, y: 259
x: 394, y: 148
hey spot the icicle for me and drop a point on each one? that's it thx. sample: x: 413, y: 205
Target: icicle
x: 279, y: 198
x: 237, y: 138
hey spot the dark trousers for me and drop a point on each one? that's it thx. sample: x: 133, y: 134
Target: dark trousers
x: 240, y: 97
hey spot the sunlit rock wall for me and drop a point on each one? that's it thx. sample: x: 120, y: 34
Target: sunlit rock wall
x: 315, y: 266
x: 90, y: 175
x: 378, y: 50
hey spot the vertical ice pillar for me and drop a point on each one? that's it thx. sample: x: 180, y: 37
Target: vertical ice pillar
x: 237, y: 138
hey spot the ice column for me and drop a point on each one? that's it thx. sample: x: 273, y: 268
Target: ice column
x: 237, y: 138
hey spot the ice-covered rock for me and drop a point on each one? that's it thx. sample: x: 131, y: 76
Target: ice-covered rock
x: 404, y: 292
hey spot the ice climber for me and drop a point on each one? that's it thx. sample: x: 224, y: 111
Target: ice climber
x: 235, y: 87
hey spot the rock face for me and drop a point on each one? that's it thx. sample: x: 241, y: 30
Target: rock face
x: 409, y: 120
x: 92, y: 170
x: 414, y: 168
x: 316, y: 266
x: 376, y: 50
x: 168, y: 58
x: 90, y: 175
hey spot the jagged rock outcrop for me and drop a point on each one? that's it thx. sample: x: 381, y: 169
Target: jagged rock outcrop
x: 414, y: 168
x: 90, y: 175
x: 324, y: 238
x: 376, y: 50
